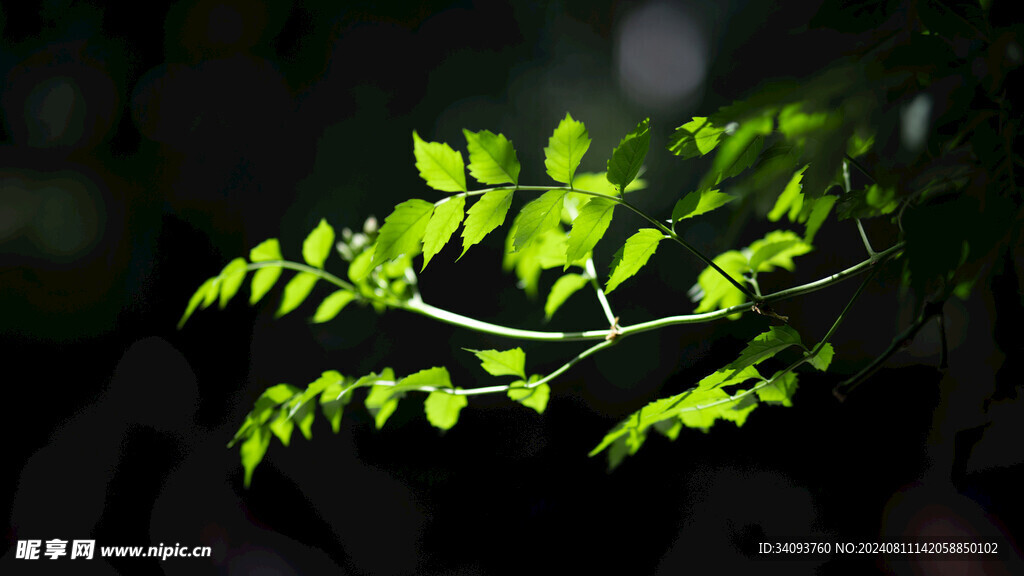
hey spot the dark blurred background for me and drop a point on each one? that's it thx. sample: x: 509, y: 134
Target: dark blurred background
x: 144, y: 146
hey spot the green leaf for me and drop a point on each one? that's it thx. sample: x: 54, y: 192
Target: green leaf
x: 535, y: 397
x: 566, y: 147
x: 403, y: 230
x: 333, y: 401
x: 739, y: 151
x: 492, y: 159
x: 820, y: 210
x: 764, y: 346
x: 444, y: 222
x: 487, y: 214
x: 200, y: 296
x: 318, y: 244
x: 718, y: 292
x: 588, y: 228
x: 502, y: 363
x: 538, y: 217
x: 295, y: 292
x: 232, y: 277
x: 264, y: 278
x: 547, y: 251
x: 777, y: 248
x: 381, y: 403
x: 635, y: 253
x: 267, y: 250
x: 262, y: 281
x: 362, y: 265
x: 252, y: 452
x: 598, y: 183
x: 440, y: 166
x: 563, y: 288
x: 823, y: 358
x: 699, y: 202
x: 791, y: 199
x: 443, y: 408
x: 695, y: 138
x: 437, y: 377
x: 780, y: 390
x: 629, y: 155
x: 332, y: 305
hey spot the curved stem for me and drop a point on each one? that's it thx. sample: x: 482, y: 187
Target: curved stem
x: 505, y: 387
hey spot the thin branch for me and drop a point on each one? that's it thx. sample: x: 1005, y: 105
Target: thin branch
x: 601, y: 296
x: 843, y: 389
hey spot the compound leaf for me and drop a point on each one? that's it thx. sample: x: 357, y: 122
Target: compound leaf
x: 492, y: 159
x: 403, y: 230
x: 443, y: 408
x: 566, y: 147
x: 443, y: 223
x: 440, y: 166
x: 635, y: 253
x: 487, y: 214
x: 629, y: 155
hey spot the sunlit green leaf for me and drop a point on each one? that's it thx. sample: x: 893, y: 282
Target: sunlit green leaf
x: 440, y: 166
x: 267, y: 250
x: 444, y: 222
x: 362, y: 265
x: 264, y: 278
x: 538, y: 217
x: 588, y: 228
x: 563, y: 288
x: 823, y: 359
x: 332, y: 305
x: 295, y: 292
x: 777, y: 248
x: 443, y: 408
x: 819, y: 212
x: 598, y: 182
x: 739, y: 151
x: 764, y: 346
x: 780, y: 390
x: 282, y: 427
x: 535, y: 397
x: 252, y: 452
x: 699, y: 202
x: 502, y: 363
x: 318, y: 244
x: 566, y: 147
x: 492, y: 159
x: 547, y: 251
x: 695, y: 138
x: 718, y: 292
x: 381, y: 403
x: 403, y: 230
x: 232, y: 277
x: 791, y: 199
x: 629, y: 155
x: 198, y: 298
x: 485, y: 215
x: 635, y: 253
x: 437, y: 377
x: 333, y: 400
